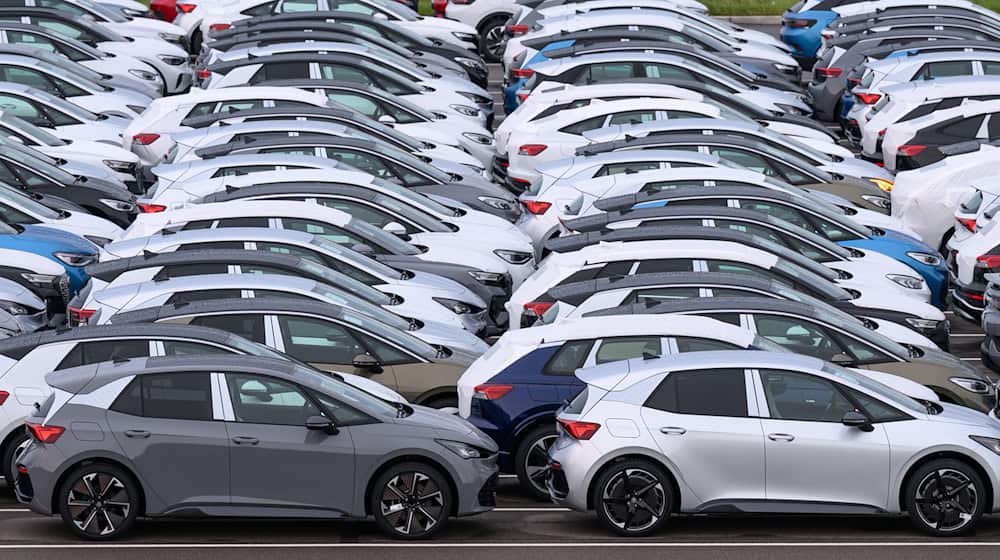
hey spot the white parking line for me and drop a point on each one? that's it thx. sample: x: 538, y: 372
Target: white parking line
x: 971, y: 359
x: 14, y: 510
x: 531, y: 509
x: 432, y: 545
x: 967, y: 335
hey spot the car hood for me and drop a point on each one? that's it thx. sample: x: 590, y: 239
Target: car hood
x: 59, y: 240
x: 955, y: 414
x: 455, y: 339
x: 940, y: 358
x: 447, y: 425
x: 12, y: 291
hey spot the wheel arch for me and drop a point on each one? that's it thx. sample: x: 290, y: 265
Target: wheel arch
x: 412, y: 457
x: 966, y: 458
x: 637, y: 455
x: 436, y: 393
x: 480, y: 27
x: 104, y: 460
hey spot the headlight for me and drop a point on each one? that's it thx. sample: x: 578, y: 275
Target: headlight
x: 74, y: 259
x: 926, y: 324
x: 172, y: 38
x: 884, y: 184
x: 790, y: 109
x: 471, y: 37
x: 924, y: 258
x: 498, y: 203
x: 785, y: 67
x: 43, y: 280
x: 120, y: 166
x: 977, y: 386
x: 487, y: 277
x: 171, y: 60
x: 119, y: 205
x: 479, y: 99
x: 470, y: 63
x: 513, y: 257
x: 993, y: 444
x: 463, y: 450
x: 143, y: 75
x: 478, y: 138
x: 14, y: 308
x: 880, y: 201
x: 465, y: 110
x: 457, y: 307
x: 907, y: 281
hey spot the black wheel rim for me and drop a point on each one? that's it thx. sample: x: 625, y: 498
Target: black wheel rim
x: 946, y: 500
x: 634, y: 499
x: 412, y: 504
x: 536, y: 462
x: 98, y: 503
x: 14, y: 456
x: 494, y: 40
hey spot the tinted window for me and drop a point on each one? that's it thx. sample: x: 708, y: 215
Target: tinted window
x: 569, y: 357
x: 798, y: 335
x: 665, y: 265
x: 318, y: 341
x: 130, y: 400
x: 242, y: 223
x: 633, y: 167
x: 656, y: 295
x: 875, y: 410
x: 584, y: 126
x: 249, y: 326
x: 105, y: 351
x: 707, y: 393
x: 201, y: 295
x: 264, y: 400
x: 286, y: 71
x: 692, y: 344
x: 991, y: 68
x: 181, y: 270
x: 627, y: 348
x: 384, y: 352
x: 632, y: 117
x: 965, y: 128
x: 944, y: 69
x: 798, y: 396
x: 181, y: 396
x: 609, y: 71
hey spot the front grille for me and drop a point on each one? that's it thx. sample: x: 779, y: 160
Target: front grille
x: 488, y: 493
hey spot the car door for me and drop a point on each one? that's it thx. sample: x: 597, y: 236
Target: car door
x: 811, y: 456
x: 706, y: 427
x: 275, y: 460
x: 167, y: 427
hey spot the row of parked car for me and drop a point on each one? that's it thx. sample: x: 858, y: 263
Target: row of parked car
x: 659, y: 285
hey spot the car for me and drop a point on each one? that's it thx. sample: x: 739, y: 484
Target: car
x: 918, y: 142
x: 488, y: 18
x: 70, y: 253
x: 449, y: 467
x: 25, y: 311
x: 17, y: 207
x: 969, y: 261
x: 148, y: 135
x: 599, y: 254
x: 975, y: 212
x: 464, y: 186
x: 139, y: 27
x: 388, y: 269
x: 762, y: 406
x: 983, y: 24
x: 62, y: 117
x: 813, y: 215
x: 513, y: 392
x: 331, y: 338
x: 989, y: 348
x: 169, y: 60
x: 511, y: 256
x: 453, y: 305
x: 22, y: 358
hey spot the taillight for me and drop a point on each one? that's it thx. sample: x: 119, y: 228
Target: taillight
x: 145, y: 138
x: 80, y: 316
x: 186, y: 8
x: 44, y: 434
x: 881, y: 133
x: 204, y: 74
x: 149, y: 208
x: 439, y: 6
x: 536, y: 207
x: 868, y: 98
x: 988, y: 261
x: 531, y: 149
x: 517, y: 29
x: 799, y: 23
x: 537, y: 308
x: 829, y: 72
x: 3, y: 397
x: 219, y: 26
x: 522, y: 97
x: 911, y: 150
x: 491, y: 392
x: 853, y: 81
x: 522, y: 73
x: 579, y: 430
x: 967, y: 223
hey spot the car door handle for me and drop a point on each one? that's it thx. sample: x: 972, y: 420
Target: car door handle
x: 673, y: 430
x: 781, y: 437
x: 137, y: 434
x: 245, y: 440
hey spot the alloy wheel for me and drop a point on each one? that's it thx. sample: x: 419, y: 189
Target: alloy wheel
x: 536, y: 462
x: 493, y: 40
x: 633, y: 499
x: 98, y: 503
x: 412, y: 503
x: 946, y: 499
x: 18, y: 449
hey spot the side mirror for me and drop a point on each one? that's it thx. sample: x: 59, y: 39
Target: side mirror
x: 322, y: 424
x: 842, y: 360
x: 857, y: 420
x: 387, y: 120
x: 394, y: 228
x: 363, y: 249
x: 380, y: 15
x: 256, y: 390
x: 364, y: 361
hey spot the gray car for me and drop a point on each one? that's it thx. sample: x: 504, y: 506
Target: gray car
x: 247, y: 437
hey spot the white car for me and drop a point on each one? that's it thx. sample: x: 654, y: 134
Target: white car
x: 813, y: 434
x: 495, y: 253
x: 977, y: 210
x: 899, y: 134
x: 902, y: 102
x: 145, y: 27
x: 558, y: 135
x: 550, y: 98
x: 19, y: 208
x: 925, y: 199
x: 672, y: 27
x: 970, y: 260
x: 66, y: 120
x: 149, y: 134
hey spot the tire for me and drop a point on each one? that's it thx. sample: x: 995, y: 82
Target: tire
x: 106, y: 501
x: 16, y: 444
x: 410, y: 493
x: 951, y: 513
x: 531, y: 460
x: 634, y: 498
x: 490, y: 34
x: 442, y: 402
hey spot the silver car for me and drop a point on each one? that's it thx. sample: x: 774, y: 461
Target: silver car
x: 249, y: 437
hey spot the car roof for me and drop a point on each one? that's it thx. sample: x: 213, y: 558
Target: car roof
x: 629, y: 200
x: 942, y: 88
x: 242, y: 305
x: 720, y: 304
x: 212, y: 152
x: 586, y: 288
x: 602, y: 158
x: 666, y: 325
x: 19, y: 346
x: 559, y: 65
x: 109, y: 270
x: 222, y: 67
x: 332, y: 187
x: 681, y: 138
x: 206, y: 120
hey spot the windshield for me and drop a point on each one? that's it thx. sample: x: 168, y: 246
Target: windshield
x: 404, y: 339
x: 426, y: 203
x: 57, y: 64
x: 800, y: 147
x: 355, y: 259
x: 344, y: 299
x: 349, y: 394
x: 64, y: 106
x: 40, y: 163
x: 7, y: 229
x: 761, y: 343
x: 105, y: 13
x: 19, y: 127
x: 884, y: 392
x: 14, y: 197
x: 343, y: 281
x: 830, y: 291
x: 385, y: 240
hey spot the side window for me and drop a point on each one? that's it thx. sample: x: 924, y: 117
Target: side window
x: 665, y: 265
x: 202, y: 109
x: 187, y: 348
x: 104, y: 351
x: 632, y: 117
x: 613, y: 269
x: 654, y: 70
x: 965, y: 128
x: 242, y: 223
x: 739, y: 268
x: 198, y: 224
x: 343, y: 414
x: 179, y: 396
x: 658, y: 186
x: 369, y: 163
x: 876, y: 410
x: 729, y: 318
x: 261, y: 10
x: 746, y: 159
x: 29, y: 77
x: 790, y: 215
x: 12, y: 215
x: 628, y: 347
x: 339, y: 266
x: 24, y: 109
x: 239, y: 171
x: 609, y: 71
x: 994, y: 126
x: 356, y: 7
x: 861, y: 352
x: 991, y: 68
x: 619, y: 168
x: 720, y: 392
x: 285, y: 71
x: 657, y: 295
x: 258, y: 399
x: 385, y: 353
x: 568, y: 358
x: 249, y: 326
x: 291, y: 6
x: 798, y: 396
x: 181, y: 270
x: 366, y: 213
x: 343, y: 73
x: 359, y: 103
x: 798, y: 335
x: 201, y: 295
x: 318, y: 341
x: 944, y: 69
x: 583, y: 126
x: 692, y: 344
x: 332, y: 233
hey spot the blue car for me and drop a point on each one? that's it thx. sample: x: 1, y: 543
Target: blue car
x: 802, y: 25
x: 69, y: 251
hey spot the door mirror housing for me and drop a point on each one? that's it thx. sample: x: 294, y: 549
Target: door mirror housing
x: 387, y: 120
x: 322, y: 424
x: 857, y: 420
x: 255, y: 389
x: 364, y: 361
x: 394, y: 228
x: 843, y: 360
x: 363, y: 249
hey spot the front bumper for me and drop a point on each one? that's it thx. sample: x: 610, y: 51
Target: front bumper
x: 476, y: 480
